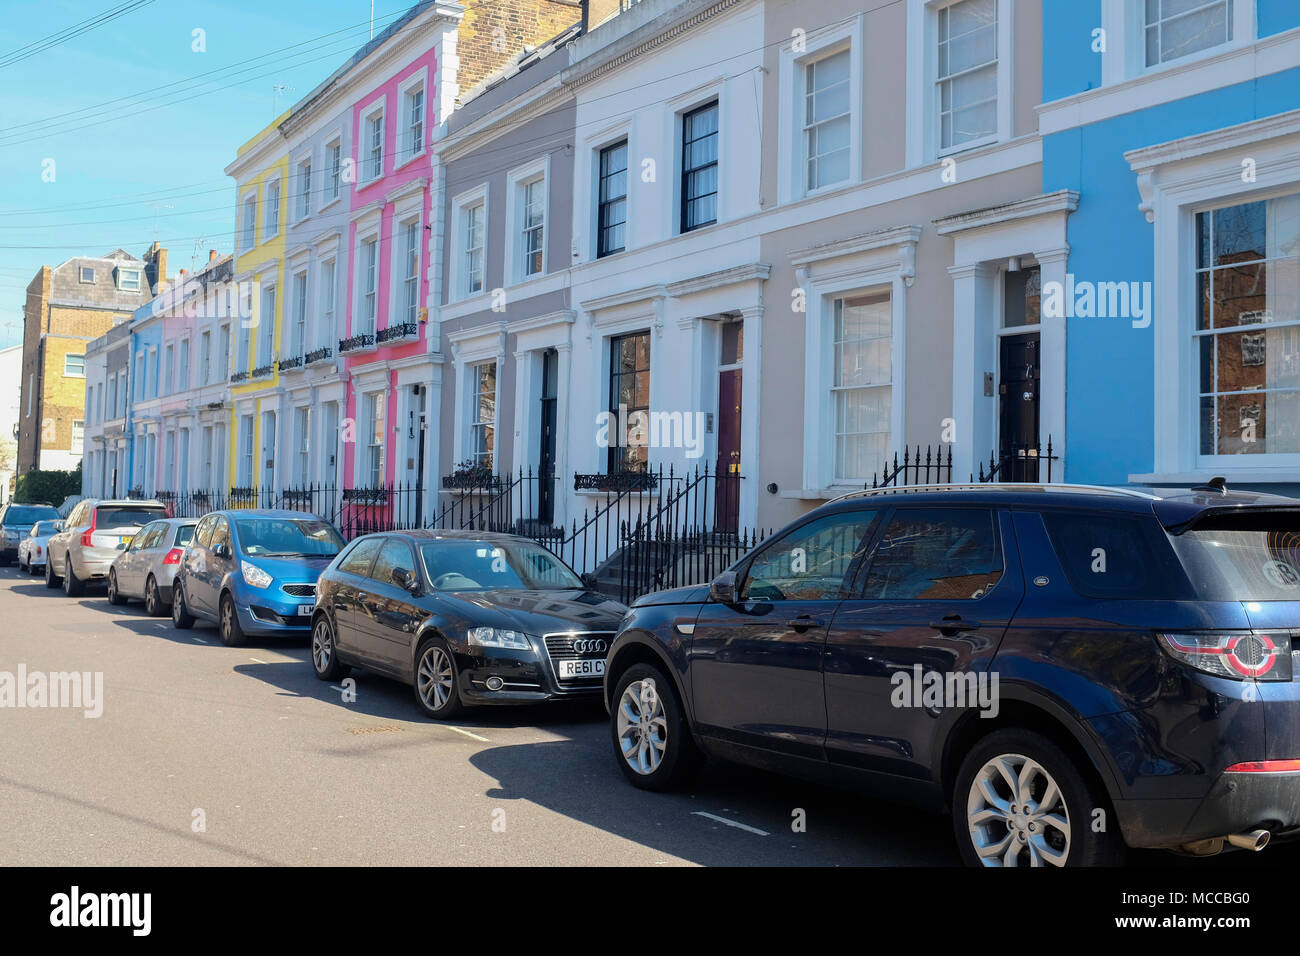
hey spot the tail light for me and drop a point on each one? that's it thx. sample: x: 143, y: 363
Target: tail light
x: 1265, y: 766
x: 173, y: 556
x: 85, y: 536
x: 1237, y: 655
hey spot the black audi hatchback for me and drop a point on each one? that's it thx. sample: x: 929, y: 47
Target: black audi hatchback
x: 464, y: 617
x: 1067, y: 670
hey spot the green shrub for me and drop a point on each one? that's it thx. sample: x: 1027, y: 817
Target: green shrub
x: 51, y: 486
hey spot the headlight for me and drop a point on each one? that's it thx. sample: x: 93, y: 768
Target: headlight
x: 495, y: 637
x: 254, y: 575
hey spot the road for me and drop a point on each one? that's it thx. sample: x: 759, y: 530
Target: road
x: 208, y: 755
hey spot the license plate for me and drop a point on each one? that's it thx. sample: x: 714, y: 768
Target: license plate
x: 594, y: 668
x: 304, y: 610
x: 126, y: 540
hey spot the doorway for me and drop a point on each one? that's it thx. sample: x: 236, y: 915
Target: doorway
x: 730, y: 390
x: 1019, y: 364
x: 546, y: 457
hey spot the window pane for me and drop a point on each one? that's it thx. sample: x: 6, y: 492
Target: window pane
x: 935, y: 555
x: 809, y: 563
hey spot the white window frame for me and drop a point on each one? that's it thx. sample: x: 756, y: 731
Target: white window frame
x: 81, y: 274
x: 183, y: 364
x: 274, y: 199
x: 266, y: 323
x: 792, y: 162
x: 327, y: 334
x: 417, y: 81
x: 304, y: 188
x: 128, y: 279
x: 472, y: 424
x: 1177, y: 180
x: 517, y: 181
x: 302, y: 444
x: 373, y: 404
x: 247, y: 222
x: 461, y: 205
x: 333, y: 177
x: 922, y: 84
x: 68, y: 374
x: 361, y: 322
x: 169, y: 369
x: 1124, y: 24
x: 301, y: 330
x: 365, y: 135
x: 78, y: 440
x: 205, y: 356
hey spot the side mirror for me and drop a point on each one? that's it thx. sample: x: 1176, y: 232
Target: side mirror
x: 221, y: 550
x: 121, y: 546
x: 58, y: 526
x: 405, y: 580
x: 723, y: 588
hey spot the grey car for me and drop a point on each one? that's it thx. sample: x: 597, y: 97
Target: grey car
x: 87, y: 546
x: 146, y: 567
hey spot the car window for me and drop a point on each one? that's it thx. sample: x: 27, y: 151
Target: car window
x: 141, y: 540
x: 935, y: 554
x: 184, y: 535
x: 359, y: 558
x: 288, y: 537
x: 221, y: 532
x: 1116, y: 556
x: 466, y: 564
x: 394, y: 554
x: 28, y: 514
x: 43, y: 528
x: 125, y: 516
x: 77, y: 518
x: 810, y: 562
x: 203, y: 533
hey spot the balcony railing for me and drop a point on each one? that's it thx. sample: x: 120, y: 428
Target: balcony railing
x: 356, y: 343
x: 318, y: 355
x: 398, y: 333
x: 290, y: 363
x: 617, y: 481
x: 263, y: 371
x: 238, y: 377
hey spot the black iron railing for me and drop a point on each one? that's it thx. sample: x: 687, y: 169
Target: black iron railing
x: 263, y: 371
x: 617, y: 481
x: 318, y: 355
x: 935, y: 467
x: 362, y: 340
x: 397, y: 333
x: 291, y: 363
x: 1020, y: 463
x: 237, y: 377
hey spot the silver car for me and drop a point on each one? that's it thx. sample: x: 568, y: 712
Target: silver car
x: 146, y: 567
x: 33, y: 546
x: 87, y: 546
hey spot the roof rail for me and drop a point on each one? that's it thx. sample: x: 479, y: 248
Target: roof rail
x: 1003, y: 486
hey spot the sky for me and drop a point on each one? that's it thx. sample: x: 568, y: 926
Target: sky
x: 120, y: 135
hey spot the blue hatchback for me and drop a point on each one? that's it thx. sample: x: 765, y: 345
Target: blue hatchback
x: 253, y: 572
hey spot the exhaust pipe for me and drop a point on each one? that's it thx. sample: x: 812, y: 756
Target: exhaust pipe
x: 1254, y: 840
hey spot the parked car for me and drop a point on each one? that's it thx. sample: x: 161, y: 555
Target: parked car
x: 16, y: 520
x: 1069, y: 670
x: 464, y: 617
x: 253, y: 572
x: 146, y: 567
x: 85, y: 547
x: 33, y: 547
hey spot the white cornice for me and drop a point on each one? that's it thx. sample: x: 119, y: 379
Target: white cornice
x: 1062, y: 200
x: 406, y: 189
x: 647, y: 293
x: 1228, y: 137
x: 368, y: 209
x: 723, y: 277
x: 504, y: 119
x: 532, y: 323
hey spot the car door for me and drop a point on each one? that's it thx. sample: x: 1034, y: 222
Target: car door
x: 908, y: 652
x: 194, y: 560
x: 58, y: 547
x: 756, y: 665
x: 126, y: 563
x: 352, y: 586
x: 394, y: 611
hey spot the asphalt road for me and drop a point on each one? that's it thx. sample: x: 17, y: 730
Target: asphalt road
x: 279, y: 769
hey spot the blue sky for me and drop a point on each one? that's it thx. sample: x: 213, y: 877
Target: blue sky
x: 147, y: 165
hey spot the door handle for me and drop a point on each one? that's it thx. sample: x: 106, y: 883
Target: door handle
x: 804, y: 623
x: 953, y: 624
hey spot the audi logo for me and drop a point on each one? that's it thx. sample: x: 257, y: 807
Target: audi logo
x: 590, y: 647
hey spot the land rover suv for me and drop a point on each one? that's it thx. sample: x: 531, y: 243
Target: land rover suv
x: 1066, y: 670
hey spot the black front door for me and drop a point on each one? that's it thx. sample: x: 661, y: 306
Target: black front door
x: 546, y: 463
x: 1018, y: 408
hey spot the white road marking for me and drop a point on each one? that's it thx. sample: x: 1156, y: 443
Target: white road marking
x: 461, y: 730
x: 202, y: 640
x: 730, y: 823
x: 258, y: 660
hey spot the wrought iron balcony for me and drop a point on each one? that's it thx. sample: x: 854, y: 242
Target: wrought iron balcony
x: 474, y: 478
x: 238, y: 377
x: 318, y: 355
x: 262, y: 371
x: 356, y: 343
x: 617, y: 481
x: 366, y: 496
x: 398, y: 333
x: 290, y: 363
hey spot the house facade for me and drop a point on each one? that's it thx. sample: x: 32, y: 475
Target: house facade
x: 1179, y: 129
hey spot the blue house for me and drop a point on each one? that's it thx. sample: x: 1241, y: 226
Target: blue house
x: 1177, y: 123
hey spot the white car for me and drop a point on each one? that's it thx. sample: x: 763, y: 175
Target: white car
x: 33, y: 547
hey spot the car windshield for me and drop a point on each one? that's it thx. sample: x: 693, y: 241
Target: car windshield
x: 287, y: 537
x: 125, y: 516
x: 27, y: 515
x: 1243, y: 557
x: 43, y: 528
x: 455, y: 564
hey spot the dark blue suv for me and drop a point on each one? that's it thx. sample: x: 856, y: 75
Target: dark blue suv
x: 1068, y: 670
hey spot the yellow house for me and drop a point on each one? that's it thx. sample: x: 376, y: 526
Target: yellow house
x: 261, y: 174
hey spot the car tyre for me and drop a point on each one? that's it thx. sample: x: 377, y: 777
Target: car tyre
x: 324, y: 654
x: 115, y: 596
x: 436, y: 684
x: 51, y: 579
x: 232, y: 635
x: 73, y: 586
x: 1020, y: 800
x: 182, y: 619
x: 154, y: 605
x: 652, y: 741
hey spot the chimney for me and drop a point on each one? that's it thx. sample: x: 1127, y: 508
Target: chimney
x: 596, y: 12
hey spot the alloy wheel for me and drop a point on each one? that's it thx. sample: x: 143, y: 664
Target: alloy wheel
x: 151, y: 597
x: 227, y: 609
x: 435, y: 678
x: 112, y: 587
x: 322, y: 646
x: 1017, y: 815
x: 642, y: 726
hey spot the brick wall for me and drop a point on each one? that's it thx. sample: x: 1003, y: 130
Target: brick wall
x: 493, y: 31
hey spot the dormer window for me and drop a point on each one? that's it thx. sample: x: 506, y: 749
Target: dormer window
x: 128, y: 280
